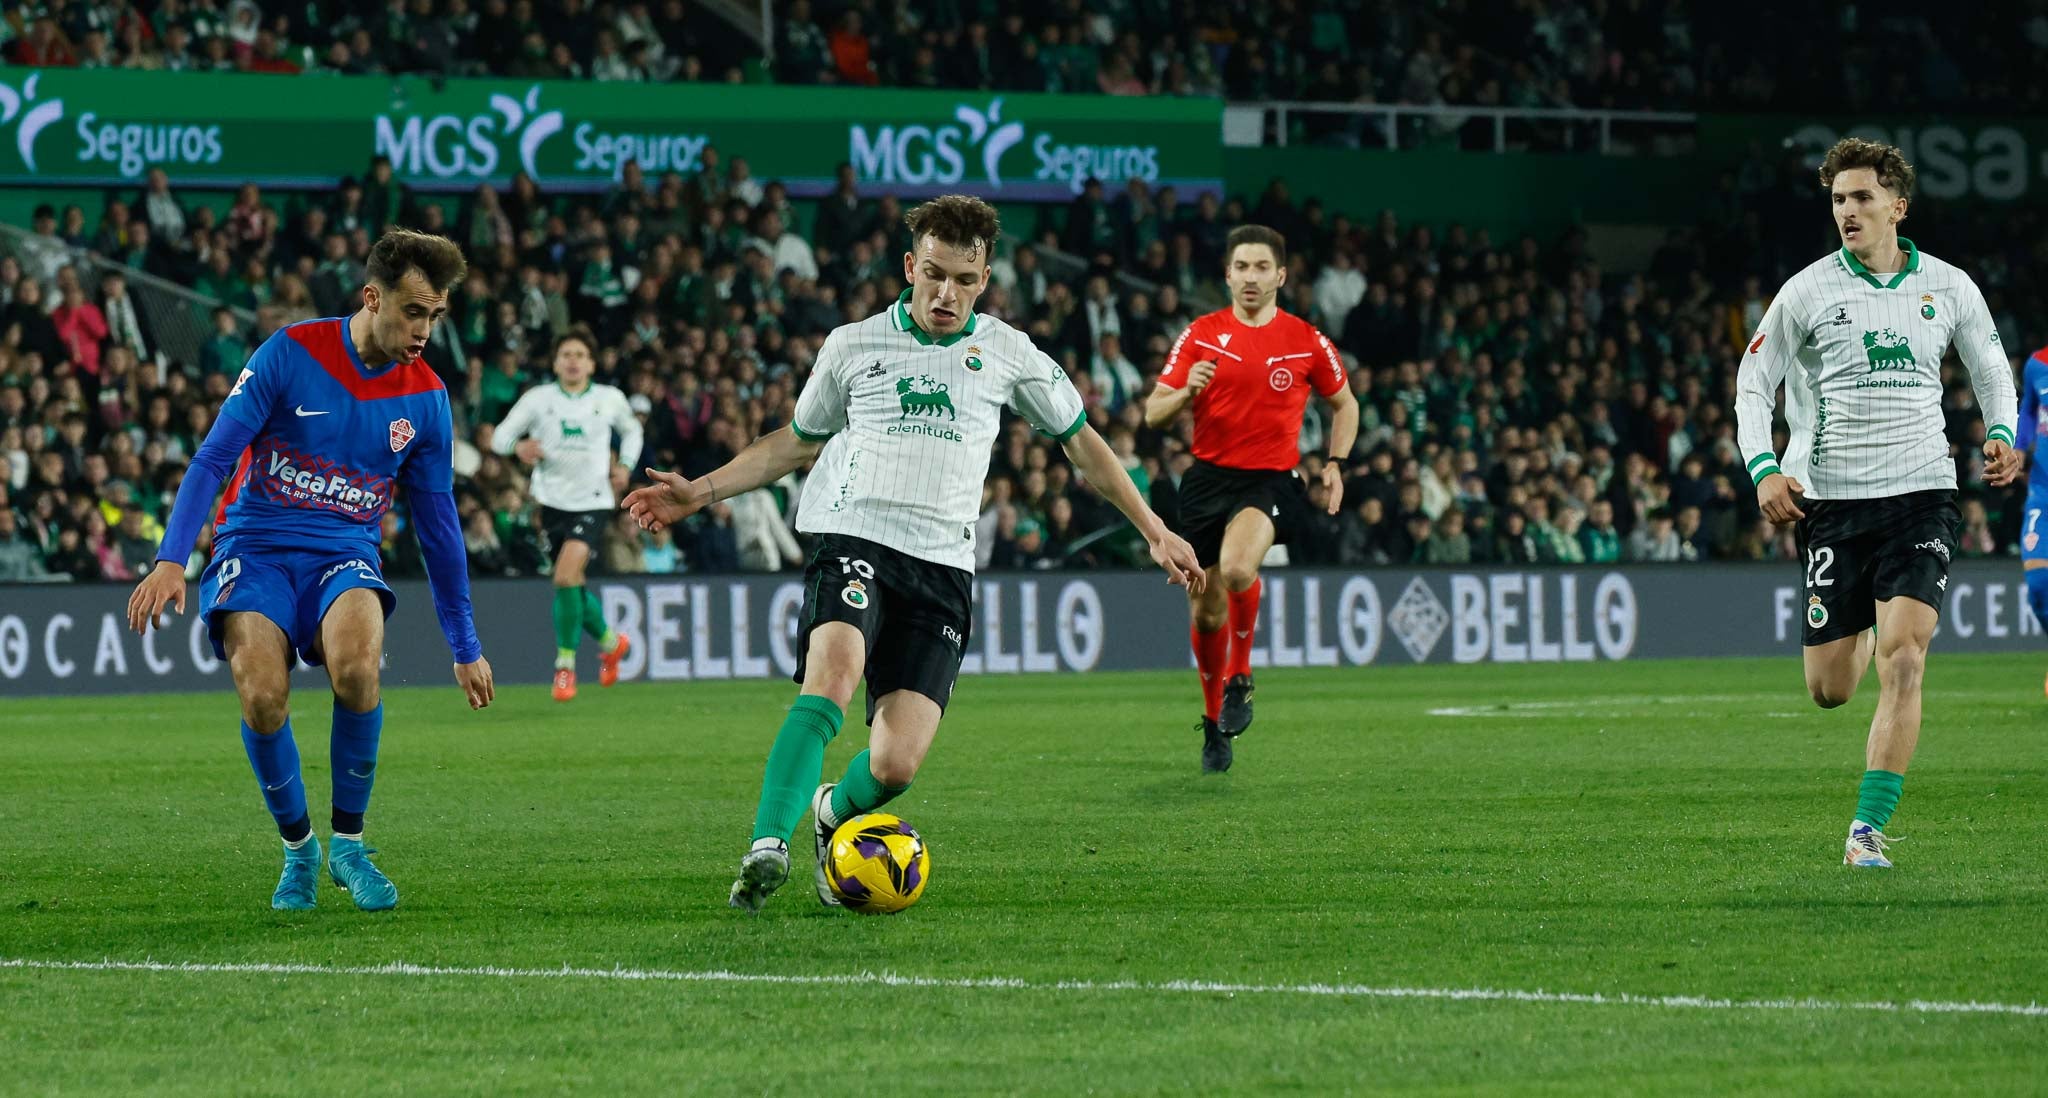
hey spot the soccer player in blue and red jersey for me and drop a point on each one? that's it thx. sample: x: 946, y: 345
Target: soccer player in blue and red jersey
x: 2033, y: 426
x: 326, y: 421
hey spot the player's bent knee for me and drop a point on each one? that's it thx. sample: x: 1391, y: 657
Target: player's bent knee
x: 1830, y: 695
x: 355, y: 682
x: 1240, y: 577
x: 265, y: 710
x: 892, y: 770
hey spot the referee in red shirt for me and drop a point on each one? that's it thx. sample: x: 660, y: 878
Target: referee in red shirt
x: 1246, y: 372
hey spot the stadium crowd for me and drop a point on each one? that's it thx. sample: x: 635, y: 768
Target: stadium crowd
x: 1613, y: 54
x: 1519, y: 403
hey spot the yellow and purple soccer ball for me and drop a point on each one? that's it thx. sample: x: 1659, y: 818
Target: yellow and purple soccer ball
x: 878, y: 864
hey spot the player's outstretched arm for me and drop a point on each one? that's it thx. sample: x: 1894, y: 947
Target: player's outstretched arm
x: 1097, y: 462
x: 440, y: 533
x: 672, y: 498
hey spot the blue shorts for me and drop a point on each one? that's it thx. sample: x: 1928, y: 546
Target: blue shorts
x: 2034, y: 527
x: 291, y: 587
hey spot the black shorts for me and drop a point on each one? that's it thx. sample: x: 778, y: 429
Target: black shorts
x: 1859, y: 552
x: 562, y: 527
x: 915, y: 616
x: 1212, y: 495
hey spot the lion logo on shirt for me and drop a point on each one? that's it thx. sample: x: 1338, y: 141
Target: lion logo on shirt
x: 924, y: 396
x: 1888, y: 350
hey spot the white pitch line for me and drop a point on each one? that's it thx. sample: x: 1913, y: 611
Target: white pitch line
x: 1005, y: 983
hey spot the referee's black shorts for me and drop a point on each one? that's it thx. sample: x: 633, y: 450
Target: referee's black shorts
x: 1211, y: 495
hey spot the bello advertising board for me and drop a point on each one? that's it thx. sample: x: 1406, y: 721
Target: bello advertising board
x: 1996, y: 160
x: 67, y: 127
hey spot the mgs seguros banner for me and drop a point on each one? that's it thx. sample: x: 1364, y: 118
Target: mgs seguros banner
x: 67, y: 127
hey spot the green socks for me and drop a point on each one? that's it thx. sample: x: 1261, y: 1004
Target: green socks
x: 859, y: 792
x: 578, y: 611
x: 794, y: 764
x: 1878, y: 797
x: 568, y: 617
x: 593, y: 620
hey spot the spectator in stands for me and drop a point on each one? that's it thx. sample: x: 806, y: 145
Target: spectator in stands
x: 162, y: 209
x: 20, y: 558
x: 79, y: 323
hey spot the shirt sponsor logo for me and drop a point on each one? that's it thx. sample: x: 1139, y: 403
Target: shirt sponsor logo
x: 924, y: 396
x: 320, y: 484
x: 362, y: 568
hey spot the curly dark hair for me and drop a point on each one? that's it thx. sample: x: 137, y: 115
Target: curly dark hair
x: 957, y: 220
x: 436, y: 258
x: 1893, y: 172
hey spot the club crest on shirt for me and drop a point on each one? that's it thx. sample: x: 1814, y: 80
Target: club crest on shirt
x: 973, y: 359
x: 1927, y: 306
x: 1281, y: 379
x: 401, y: 433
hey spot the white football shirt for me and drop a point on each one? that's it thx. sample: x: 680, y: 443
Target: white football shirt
x: 1860, y: 358
x: 912, y: 420
x: 575, y: 433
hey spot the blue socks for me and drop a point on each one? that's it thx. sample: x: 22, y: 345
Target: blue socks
x: 275, y: 758
x: 353, y: 752
x: 2037, y: 594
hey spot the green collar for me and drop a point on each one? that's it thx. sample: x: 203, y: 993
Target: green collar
x: 901, y: 316
x: 1857, y: 268
x: 573, y: 396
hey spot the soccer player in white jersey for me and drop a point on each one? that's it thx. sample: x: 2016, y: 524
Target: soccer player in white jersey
x: 565, y: 432
x: 1857, y: 339
x: 901, y: 412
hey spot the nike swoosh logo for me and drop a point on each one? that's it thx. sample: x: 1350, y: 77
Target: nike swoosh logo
x: 365, y: 777
x: 278, y: 786
x: 301, y: 409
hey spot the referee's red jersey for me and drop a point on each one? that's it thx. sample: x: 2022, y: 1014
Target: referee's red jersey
x: 1250, y: 415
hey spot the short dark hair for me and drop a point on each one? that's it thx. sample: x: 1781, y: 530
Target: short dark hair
x: 1894, y: 173
x: 436, y: 258
x: 576, y: 334
x: 1255, y: 234
x: 958, y: 220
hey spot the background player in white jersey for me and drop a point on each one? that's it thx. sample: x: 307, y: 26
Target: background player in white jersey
x: 1858, y: 339
x: 564, y: 431
x: 911, y: 402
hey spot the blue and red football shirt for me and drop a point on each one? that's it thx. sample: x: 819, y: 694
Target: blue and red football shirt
x: 332, y: 439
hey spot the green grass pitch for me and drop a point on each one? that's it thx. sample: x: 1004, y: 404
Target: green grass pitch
x: 1648, y: 830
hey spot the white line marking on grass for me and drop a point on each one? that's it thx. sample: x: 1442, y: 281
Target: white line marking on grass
x: 1004, y: 983
x: 1662, y: 705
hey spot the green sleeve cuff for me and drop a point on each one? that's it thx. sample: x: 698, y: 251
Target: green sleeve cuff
x: 1080, y: 421
x: 807, y: 436
x: 2002, y: 433
x: 1761, y: 466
